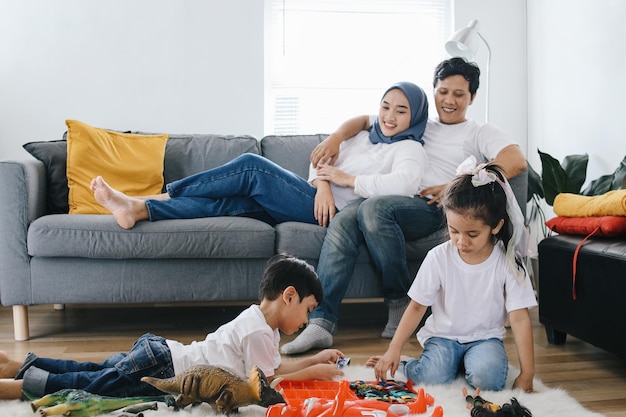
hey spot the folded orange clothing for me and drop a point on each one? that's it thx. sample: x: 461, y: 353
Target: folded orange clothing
x: 612, y: 203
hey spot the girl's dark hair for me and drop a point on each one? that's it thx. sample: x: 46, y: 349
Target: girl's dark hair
x: 284, y: 270
x: 458, y: 66
x: 485, y: 202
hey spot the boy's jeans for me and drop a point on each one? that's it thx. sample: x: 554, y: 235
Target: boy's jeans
x: 117, y: 376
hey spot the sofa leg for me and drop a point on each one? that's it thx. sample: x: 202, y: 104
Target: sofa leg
x: 554, y: 336
x: 20, y: 323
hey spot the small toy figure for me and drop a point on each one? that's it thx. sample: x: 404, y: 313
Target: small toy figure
x: 482, y: 408
x: 223, y: 390
x: 79, y: 403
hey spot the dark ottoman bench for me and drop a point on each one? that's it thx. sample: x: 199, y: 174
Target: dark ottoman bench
x: 590, y: 307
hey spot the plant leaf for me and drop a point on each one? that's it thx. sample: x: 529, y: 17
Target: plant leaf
x: 608, y: 182
x: 575, y: 167
x: 535, y: 186
x: 554, y: 178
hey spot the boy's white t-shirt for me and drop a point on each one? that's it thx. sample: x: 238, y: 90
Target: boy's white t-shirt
x: 236, y: 346
x: 380, y: 169
x: 468, y: 302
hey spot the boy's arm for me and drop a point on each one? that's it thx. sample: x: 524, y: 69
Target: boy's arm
x: 321, y: 366
x: 328, y: 151
x: 523, y: 335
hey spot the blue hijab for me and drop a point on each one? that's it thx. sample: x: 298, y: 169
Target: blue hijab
x: 418, y: 103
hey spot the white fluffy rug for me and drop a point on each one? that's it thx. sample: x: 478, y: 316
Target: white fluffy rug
x: 545, y: 402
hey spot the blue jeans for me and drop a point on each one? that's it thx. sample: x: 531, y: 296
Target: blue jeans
x: 384, y: 223
x: 484, y: 361
x: 246, y: 186
x: 117, y: 376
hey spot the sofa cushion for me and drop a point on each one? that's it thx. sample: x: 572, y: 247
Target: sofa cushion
x: 99, y: 236
x: 132, y: 164
x: 189, y: 154
x: 305, y: 241
x: 291, y: 152
x: 53, y: 154
x: 606, y: 226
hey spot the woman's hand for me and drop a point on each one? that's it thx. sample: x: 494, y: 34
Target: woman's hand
x: 335, y: 175
x: 324, y: 205
x: 326, y: 152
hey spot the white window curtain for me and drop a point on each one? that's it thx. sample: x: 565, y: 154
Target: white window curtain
x: 329, y: 60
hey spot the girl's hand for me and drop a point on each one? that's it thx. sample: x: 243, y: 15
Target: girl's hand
x: 524, y: 382
x: 336, y: 176
x: 388, y: 362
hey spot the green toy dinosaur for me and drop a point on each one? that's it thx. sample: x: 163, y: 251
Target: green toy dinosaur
x: 79, y: 403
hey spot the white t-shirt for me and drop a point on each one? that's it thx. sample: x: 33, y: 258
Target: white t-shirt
x: 380, y: 169
x: 236, y: 346
x: 469, y: 302
x: 448, y: 145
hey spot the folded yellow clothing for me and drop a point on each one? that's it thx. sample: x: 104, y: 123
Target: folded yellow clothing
x: 612, y: 203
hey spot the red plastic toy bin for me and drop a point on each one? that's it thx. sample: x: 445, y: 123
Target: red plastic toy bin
x: 295, y: 392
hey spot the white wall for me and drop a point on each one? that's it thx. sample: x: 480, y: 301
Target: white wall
x: 576, y: 61
x: 503, y: 25
x: 184, y: 66
x: 197, y: 66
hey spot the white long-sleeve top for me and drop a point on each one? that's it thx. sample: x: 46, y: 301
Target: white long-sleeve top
x: 380, y: 169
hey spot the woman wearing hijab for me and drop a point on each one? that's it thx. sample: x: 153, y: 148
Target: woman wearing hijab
x: 386, y: 160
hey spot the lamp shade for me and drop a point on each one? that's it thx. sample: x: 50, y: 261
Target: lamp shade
x: 464, y: 42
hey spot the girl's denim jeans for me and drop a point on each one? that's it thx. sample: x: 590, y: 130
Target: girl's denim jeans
x: 484, y: 361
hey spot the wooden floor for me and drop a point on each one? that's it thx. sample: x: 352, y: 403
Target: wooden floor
x: 597, y: 379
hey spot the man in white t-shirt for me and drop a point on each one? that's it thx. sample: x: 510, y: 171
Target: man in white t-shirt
x: 384, y: 223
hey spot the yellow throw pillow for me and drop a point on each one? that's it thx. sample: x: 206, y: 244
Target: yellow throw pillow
x: 130, y: 163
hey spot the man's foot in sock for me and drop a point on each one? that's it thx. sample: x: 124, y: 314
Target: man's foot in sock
x: 396, y: 310
x: 389, y: 331
x: 313, y: 336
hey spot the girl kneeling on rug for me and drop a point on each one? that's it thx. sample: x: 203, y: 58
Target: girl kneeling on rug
x: 471, y: 283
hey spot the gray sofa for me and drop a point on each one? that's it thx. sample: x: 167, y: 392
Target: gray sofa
x: 49, y: 257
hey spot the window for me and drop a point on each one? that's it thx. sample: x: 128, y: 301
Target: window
x: 329, y: 60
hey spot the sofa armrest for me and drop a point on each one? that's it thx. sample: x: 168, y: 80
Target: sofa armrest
x: 23, y: 199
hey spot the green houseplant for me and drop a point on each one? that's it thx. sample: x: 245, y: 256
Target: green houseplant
x: 556, y: 178
x: 568, y: 177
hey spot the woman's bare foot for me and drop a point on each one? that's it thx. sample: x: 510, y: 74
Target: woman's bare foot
x: 126, y: 210
x: 8, y: 366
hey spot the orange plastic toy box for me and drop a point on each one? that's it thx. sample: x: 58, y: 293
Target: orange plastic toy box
x: 340, y: 399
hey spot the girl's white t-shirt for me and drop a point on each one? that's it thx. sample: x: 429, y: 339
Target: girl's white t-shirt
x: 468, y: 302
x: 236, y: 346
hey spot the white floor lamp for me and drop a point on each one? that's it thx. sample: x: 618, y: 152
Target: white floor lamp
x: 464, y: 43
